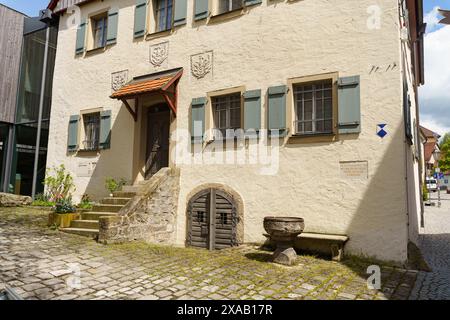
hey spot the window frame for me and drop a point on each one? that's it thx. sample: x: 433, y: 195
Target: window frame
x: 210, y: 114
x: 82, y: 129
x: 91, y: 34
x: 152, y: 19
x: 295, y: 137
x: 217, y: 4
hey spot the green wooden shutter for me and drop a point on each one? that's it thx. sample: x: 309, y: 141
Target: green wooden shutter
x: 179, y: 17
x: 81, y: 35
x: 140, y: 18
x: 198, y: 119
x: 252, y: 110
x: 113, y: 20
x: 105, y: 129
x: 252, y: 2
x: 201, y: 9
x: 72, y: 139
x: 349, y: 105
x: 276, y: 115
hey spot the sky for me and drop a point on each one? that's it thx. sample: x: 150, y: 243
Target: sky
x: 434, y: 95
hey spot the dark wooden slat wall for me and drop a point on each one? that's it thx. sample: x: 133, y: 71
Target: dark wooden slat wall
x: 11, y: 35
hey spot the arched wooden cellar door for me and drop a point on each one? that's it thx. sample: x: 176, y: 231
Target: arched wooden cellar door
x: 212, y: 220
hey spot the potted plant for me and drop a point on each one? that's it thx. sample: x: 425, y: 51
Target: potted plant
x: 112, y: 185
x: 59, y: 186
x: 64, y: 213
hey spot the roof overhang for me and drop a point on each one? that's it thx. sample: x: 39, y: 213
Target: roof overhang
x: 163, y: 83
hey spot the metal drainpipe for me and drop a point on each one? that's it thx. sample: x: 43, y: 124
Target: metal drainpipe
x: 41, y: 107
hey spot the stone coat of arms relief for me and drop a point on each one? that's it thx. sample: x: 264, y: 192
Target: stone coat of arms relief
x: 202, y: 65
x: 159, y: 55
x: 119, y: 79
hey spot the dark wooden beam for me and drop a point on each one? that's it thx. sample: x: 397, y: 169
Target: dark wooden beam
x: 132, y: 112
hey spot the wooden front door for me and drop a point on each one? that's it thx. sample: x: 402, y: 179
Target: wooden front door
x: 212, y: 220
x: 158, y: 133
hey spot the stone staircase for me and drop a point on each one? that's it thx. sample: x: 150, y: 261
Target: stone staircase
x: 88, y: 224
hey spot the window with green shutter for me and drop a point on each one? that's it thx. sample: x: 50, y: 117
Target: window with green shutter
x: 201, y: 10
x: 113, y: 22
x: 105, y: 129
x: 72, y: 138
x: 140, y: 18
x: 349, y: 105
x: 276, y: 113
x: 252, y: 110
x: 179, y: 17
x: 198, y: 119
x: 81, y: 37
x: 251, y: 2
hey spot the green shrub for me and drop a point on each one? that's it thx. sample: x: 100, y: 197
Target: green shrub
x: 59, y: 186
x: 85, y: 202
x: 112, y: 185
x: 42, y: 200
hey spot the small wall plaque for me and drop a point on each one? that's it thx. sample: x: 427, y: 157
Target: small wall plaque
x: 354, y: 169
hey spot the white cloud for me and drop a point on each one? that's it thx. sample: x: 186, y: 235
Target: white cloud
x: 435, y: 94
x: 430, y: 123
x: 432, y: 19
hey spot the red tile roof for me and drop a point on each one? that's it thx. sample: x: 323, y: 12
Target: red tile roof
x: 136, y: 88
x: 428, y: 133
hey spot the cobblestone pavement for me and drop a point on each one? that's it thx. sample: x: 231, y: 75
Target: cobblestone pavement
x: 40, y: 263
x: 435, y: 246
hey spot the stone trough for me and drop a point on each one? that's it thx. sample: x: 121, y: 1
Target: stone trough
x: 283, y: 231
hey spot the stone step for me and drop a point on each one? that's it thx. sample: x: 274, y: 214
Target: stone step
x: 82, y: 232
x: 123, y: 194
x: 107, y: 207
x: 121, y: 201
x: 130, y: 188
x: 91, y: 215
x: 84, y: 224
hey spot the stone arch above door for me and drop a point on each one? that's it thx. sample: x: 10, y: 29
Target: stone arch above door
x: 228, y: 211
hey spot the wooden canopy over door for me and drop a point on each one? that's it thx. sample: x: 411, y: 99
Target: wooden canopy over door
x: 212, y: 220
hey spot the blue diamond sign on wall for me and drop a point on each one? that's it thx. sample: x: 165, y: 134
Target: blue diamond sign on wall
x: 381, y: 131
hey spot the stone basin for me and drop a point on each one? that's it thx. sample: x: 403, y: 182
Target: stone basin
x: 283, y: 231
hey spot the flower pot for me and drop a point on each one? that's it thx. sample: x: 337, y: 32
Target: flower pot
x: 62, y: 220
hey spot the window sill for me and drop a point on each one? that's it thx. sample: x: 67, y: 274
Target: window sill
x: 158, y: 34
x: 312, y: 138
x: 228, y: 14
x: 90, y: 51
x: 86, y: 151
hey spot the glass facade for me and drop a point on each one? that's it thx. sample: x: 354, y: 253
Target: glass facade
x: 4, y: 133
x: 27, y: 114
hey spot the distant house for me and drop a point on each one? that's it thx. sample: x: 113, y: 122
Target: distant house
x: 431, y: 150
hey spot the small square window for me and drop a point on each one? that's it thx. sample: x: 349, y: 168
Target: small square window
x: 223, y: 218
x: 201, y: 217
x: 91, y: 123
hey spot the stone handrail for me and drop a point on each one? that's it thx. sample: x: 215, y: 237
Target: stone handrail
x: 113, y: 228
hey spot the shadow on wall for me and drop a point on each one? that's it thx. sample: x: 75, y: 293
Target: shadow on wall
x: 116, y: 162
x: 380, y: 222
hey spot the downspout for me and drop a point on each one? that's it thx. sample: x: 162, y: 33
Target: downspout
x: 41, y: 107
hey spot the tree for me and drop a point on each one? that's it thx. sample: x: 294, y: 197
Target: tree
x: 444, y: 162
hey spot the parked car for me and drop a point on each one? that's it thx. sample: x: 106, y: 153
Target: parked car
x: 431, y: 184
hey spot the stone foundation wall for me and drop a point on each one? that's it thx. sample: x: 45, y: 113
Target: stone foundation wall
x: 150, y: 216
